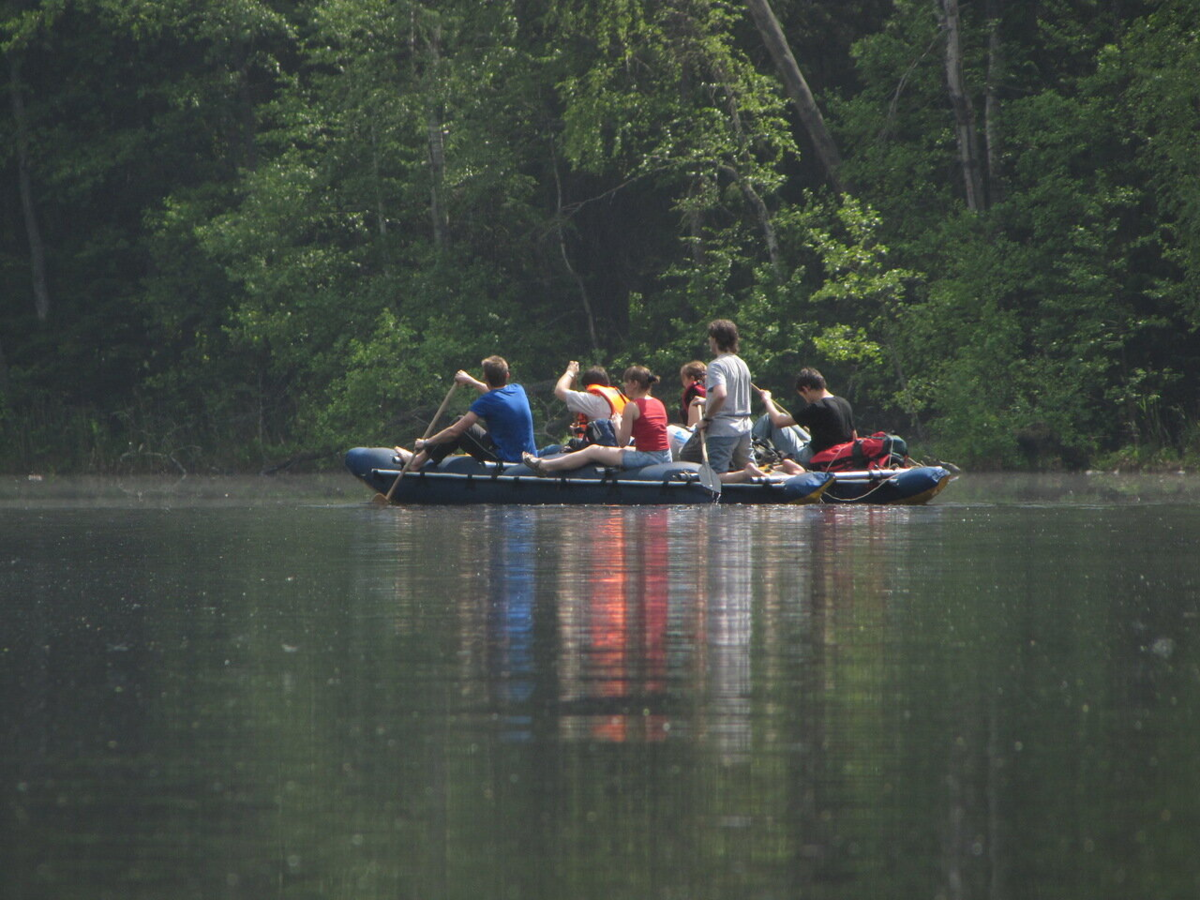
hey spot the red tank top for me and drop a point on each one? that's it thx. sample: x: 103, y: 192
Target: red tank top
x: 650, y: 427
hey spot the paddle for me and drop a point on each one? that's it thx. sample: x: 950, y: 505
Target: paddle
x: 708, y: 477
x: 382, y: 499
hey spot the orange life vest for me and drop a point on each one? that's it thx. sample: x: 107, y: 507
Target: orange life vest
x: 616, y: 401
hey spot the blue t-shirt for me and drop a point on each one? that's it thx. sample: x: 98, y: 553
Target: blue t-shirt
x: 509, y: 420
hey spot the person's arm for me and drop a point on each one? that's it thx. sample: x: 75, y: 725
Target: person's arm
x: 695, y: 410
x: 625, y: 431
x: 713, y: 403
x: 779, y: 418
x: 563, y: 387
x: 463, y: 377
x: 450, y: 432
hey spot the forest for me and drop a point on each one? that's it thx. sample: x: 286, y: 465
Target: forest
x: 244, y: 235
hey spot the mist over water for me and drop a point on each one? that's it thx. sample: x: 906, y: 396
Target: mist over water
x: 249, y: 688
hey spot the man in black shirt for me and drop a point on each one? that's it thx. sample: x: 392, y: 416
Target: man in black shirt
x: 828, y: 418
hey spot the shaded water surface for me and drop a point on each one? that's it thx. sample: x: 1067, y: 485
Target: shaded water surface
x: 252, y: 689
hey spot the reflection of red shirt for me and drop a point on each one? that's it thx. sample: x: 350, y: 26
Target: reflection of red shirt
x: 650, y: 427
x: 690, y: 393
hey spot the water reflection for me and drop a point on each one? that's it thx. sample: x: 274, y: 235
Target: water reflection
x: 796, y: 671
x: 620, y: 626
x: 942, y: 702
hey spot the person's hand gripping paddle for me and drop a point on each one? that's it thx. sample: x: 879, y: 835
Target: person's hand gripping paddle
x: 384, y: 499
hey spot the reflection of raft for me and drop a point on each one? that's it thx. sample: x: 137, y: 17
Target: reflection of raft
x: 461, y: 479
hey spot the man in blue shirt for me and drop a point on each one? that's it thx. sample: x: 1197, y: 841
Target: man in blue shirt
x: 503, y: 407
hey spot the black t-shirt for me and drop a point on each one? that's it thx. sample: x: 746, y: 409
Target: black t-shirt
x: 829, y: 420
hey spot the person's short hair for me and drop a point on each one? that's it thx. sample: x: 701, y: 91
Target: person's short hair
x: 695, y: 369
x: 641, y: 375
x: 594, y: 375
x: 725, y: 334
x: 495, y: 371
x: 810, y: 378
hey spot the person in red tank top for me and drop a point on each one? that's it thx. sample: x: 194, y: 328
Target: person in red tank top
x: 644, y: 420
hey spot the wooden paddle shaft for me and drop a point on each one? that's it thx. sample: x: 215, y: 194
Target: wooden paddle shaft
x: 428, y: 431
x: 708, y: 477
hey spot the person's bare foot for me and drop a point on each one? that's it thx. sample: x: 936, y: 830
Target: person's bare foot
x: 534, y: 464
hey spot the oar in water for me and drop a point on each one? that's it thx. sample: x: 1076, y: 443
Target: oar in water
x: 383, y: 499
x: 708, y: 477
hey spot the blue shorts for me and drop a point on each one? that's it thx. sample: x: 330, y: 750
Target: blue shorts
x: 729, y: 454
x: 635, y: 459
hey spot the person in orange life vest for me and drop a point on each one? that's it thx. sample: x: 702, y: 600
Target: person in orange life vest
x: 691, y: 376
x: 644, y: 419
x: 598, y: 399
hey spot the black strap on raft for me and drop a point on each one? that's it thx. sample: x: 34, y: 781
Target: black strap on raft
x: 860, y: 458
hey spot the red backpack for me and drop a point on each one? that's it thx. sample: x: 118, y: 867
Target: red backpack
x: 879, y: 451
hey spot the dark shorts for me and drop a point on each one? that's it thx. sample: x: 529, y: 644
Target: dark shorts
x: 475, y: 441
x: 725, y: 454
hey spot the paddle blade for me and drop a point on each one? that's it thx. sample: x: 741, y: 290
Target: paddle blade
x: 708, y: 477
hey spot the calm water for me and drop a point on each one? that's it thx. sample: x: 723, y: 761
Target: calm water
x: 248, y: 689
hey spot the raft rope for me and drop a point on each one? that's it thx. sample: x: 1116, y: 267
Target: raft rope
x: 860, y: 497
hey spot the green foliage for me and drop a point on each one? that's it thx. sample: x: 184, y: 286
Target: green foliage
x: 276, y: 227
x: 1030, y: 315
x: 1157, y: 71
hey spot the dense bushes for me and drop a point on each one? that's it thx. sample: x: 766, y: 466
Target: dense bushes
x: 235, y: 233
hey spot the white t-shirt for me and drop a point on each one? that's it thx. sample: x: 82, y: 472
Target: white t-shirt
x: 591, y: 405
x: 733, y: 418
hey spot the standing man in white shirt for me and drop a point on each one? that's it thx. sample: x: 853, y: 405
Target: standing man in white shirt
x: 726, y: 424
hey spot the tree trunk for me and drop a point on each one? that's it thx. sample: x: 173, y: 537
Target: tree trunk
x: 562, y: 249
x: 797, y: 89
x: 3, y: 371
x: 377, y: 179
x: 437, y: 174
x: 761, y: 213
x: 993, y: 184
x: 695, y: 225
x: 902, y: 379
x: 249, y: 119
x: 960, y: 102
x: 37, y: 250
x: 434, y: 128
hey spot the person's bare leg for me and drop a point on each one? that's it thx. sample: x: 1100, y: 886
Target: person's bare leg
x: 597, y: 454
x: 751, y: 471
x: 419, y: 460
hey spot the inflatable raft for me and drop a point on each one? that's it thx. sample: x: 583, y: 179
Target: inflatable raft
x: 463, y: 480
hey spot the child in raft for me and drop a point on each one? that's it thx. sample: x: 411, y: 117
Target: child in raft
x: 691, y: 376
x: 691, y: 405
x: 644, y: 419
